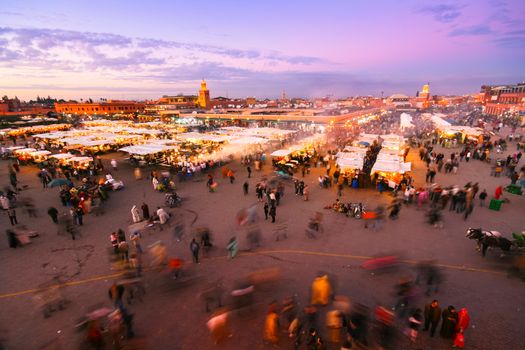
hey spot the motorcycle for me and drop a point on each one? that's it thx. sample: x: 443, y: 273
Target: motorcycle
x: 172, y: 200
x: 355, y: 210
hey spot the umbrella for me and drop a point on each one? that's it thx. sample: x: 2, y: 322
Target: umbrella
x: 59, y: 182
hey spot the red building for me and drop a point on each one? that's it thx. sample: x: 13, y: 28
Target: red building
x: 109, y: 107
x: 500, y: 99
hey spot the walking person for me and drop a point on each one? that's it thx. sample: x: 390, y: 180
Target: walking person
x: 80, y: 215
x: 135, y: 214
x: 249, y: 171
x: 232, y: 248
x: 273, y: 212
x: 245, y: 188
x: 414, y: 322
x: 145, y: 211
x: 11, y: 212
x: 53, y: 213
x: 306, y: 193
x: 482, y: 197
x: 194, y: 247
x: 266, y: 209
x: 432, y: 317
x: 114, y: 164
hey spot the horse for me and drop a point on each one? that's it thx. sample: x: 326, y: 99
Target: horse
x: 486, y: 239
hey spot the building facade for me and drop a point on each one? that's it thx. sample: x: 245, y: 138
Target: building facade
x: 109, y: 107
x: 498, y: 100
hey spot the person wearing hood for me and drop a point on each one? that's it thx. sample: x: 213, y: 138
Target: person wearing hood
x: 463, y: 323
x: 449, y: 322
x: 135, y: 214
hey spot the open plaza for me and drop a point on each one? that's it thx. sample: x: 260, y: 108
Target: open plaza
x: 220, y: 235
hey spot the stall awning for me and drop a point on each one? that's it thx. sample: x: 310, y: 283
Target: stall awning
x: 281, y: 153
x: 143, y: 150
x: 62, y: 155
x: 39, y: 153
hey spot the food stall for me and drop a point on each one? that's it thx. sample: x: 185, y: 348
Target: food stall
x: 79, y: 163
x: 39, y: 156
x: 390, y: 170
x: 23, y: 153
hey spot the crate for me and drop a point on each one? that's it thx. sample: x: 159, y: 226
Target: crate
x: 495, y: 204
x: 514, y: 189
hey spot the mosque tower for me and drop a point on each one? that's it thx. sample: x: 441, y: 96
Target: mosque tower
x: 204, y: 96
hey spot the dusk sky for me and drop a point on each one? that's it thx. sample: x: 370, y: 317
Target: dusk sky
x: 145, y: 49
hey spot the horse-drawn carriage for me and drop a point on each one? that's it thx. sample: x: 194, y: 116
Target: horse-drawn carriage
x: 494, y: 239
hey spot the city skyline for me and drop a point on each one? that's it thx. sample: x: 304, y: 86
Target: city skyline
x: 131, y: 50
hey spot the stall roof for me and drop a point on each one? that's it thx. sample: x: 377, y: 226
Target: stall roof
x: 146, y: 149
x: 247, y: 140
x: 350, y: 163
x: 39, y: 153
x: 391, y: 166
x: 62, y: 155
x: 80, y: 159
x: 281, y: 153
x: 25, y: 150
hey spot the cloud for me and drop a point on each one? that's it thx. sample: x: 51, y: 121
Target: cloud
x: 511, y: 42
x: 9, y: 13
x: 110, y: 51
x: 479, y: 29
x: 444, y: 13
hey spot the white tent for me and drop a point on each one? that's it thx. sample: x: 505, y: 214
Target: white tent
x: 146, y: 149
x: 405, y: 121
x: 247, y: 140
x: 62, y: 155
x: 350, y: 163
x: 391, y: 166
x: 39, y: 153
x: 281, y: 153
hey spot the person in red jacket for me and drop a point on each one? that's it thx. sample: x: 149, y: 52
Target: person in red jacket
x: 461, y: 326
x: 498, y: 193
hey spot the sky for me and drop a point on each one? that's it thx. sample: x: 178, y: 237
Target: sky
x: 145, y: 49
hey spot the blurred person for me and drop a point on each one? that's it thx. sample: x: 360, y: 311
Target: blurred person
x: 272, y: 212
x: 266, y: 210
x: 113, y: 238
x: 194, y: 248
x: 321, y: 290
x: 138, y: 173
x: 163, y: 216
x: 232, y: 248
x: 218, y: 324
x: 334, y: 324
x: 384, y: 319
x: 414, y: 322
x: 135, y: 215
x: 271, y: 325
x: 245, y: 187
x: 358, y: 324
x: 145, y: 211
x: 482, y: 197
x: 11, y: 212
x: 114, y: 164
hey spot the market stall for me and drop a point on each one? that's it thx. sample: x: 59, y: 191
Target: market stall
x: 39, y: 156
